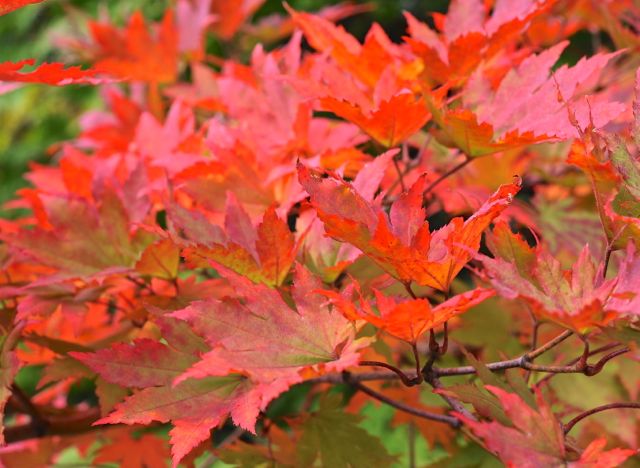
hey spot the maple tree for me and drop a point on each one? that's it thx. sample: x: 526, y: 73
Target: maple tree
x: 326, y: 251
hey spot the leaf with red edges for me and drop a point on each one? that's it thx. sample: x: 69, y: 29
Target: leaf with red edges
x: 263, y: 254
x: 402, y: 245
x: 259, y: 334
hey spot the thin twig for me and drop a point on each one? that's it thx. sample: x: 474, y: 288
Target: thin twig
x: 522, y: 362
x: 599, y: 350
x: 549, y: 344
x: 406, y: 380
x: 447, y: 174
x: 400, y: 174
x: 38, y: 423
x: 453, y: 422
x: 567, y: 427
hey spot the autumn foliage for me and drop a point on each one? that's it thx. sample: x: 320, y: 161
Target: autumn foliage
x: 326, y: 251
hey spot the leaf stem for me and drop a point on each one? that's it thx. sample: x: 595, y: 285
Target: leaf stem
x: 416, y: 356
x: 567, y: 427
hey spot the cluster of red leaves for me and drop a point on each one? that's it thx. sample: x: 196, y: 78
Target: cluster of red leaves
x: 206, y: 244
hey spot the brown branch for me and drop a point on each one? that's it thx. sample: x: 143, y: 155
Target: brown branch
x: 56, y: 425
x: 599, y: 350
x: 406, y: 380
x: 549, y: 344
x: 522, y: 362
x: 453, y: 422
x: 567, y: 427
x: 38, y: 422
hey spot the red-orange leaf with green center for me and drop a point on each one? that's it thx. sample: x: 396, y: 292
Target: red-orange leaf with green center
x: 263, y: 254
x: 194, y: 407
x: 259, y: 334
x: 144, y: 363
x: 535, y: 437
x: 577, y: 298
x: 161, y: 259
x: 81, y: 239
x: 401, y: 243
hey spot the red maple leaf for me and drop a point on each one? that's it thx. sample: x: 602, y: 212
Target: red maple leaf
x: 401, y: 242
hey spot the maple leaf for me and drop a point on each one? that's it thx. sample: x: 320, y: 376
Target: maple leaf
x: 334, y: 437
x: 194, y: 407
x: 616, y: 205
x: 229, y: 16
x: 9, y: 366
x: 130, y: 452
x: 512, y: 116
x: 446, y: 57
x: 578, y: 298
x: 161, y: 259
x: 557, y: 92
x: 389, y: 111
x: 406, y: 319
x: 145, y: 363
x: 318, y: 339
x: 536, y: 438
x: 594, y: 457
x: 134, y: 53
x: 401, y: 243
x: 154, y: 367
x: 263, y: 254
x: 192, y: 20
x: 8, y: 6
x: 460, y: 128
x: 83, y: 239
x: 44, y: 300
x: 391, y: 122
x: 56, y: 74
x: 321, y: 253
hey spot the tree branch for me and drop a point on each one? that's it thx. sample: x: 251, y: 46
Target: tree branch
x: 56, y: 425
x: 38, y: 423
x: 522, y: 362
